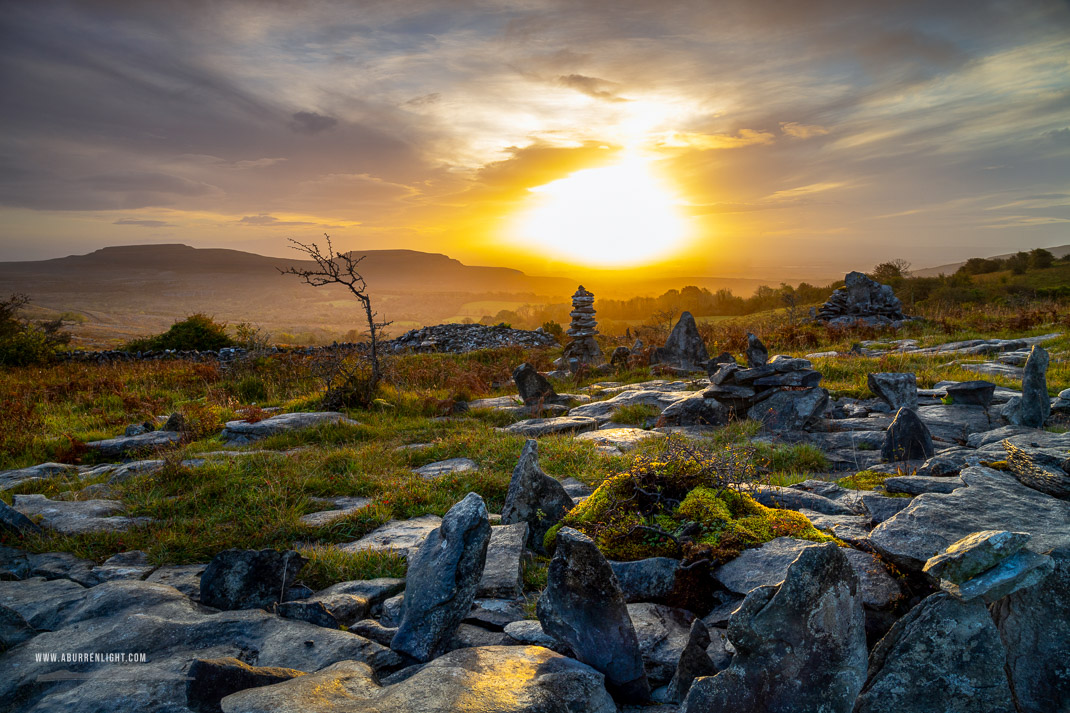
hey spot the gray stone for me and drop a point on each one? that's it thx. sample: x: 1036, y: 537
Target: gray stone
x: 991, y: 501
x: 794, y: 499
x: 1034, y: 624
x: 800, y: 645
x: 77, y: 517
x: 502, y: 574
x: 1034, y: 406
x: 238, y: 432
x: 920, y: 484
x: 123, y: 446
x: 537, y: 427
x: 663, y: 632
x: 534, y: 497
x: 431, y: 471
x: 861, y: 299
x: 210, y: 680
x: 15, y: 522
x: 343, y: 509
x: 442, y: 579
x: 972, y: 393
x: 499, y: 679
x: 401, y: 536
x: 371, y: 629
x: 13, y: 629
x: 974, y: 554
x: 468, y: 636
x: 955, y: 423
x: 391, y: 610
x: 313, y: 612
x: 249, y: 579
x: 133, y: 564
x: 533, y: 387
x: 790, y: 410
x: 944, y: 655
x: 531, y: 633
x: 375, y: 591
x: 695, y: 410
x: 583, y: 607
x: 622, y: 439
x: 646, y: 580
x: 186, y: 578
x: 880, y: 507
x: 1041, y: 469
x: 602, y: 411
x: 907, y: 439
x: 1020, y: 570
x: 684, y: 348
x: 692, y: 663
x: 495, y: 614
x: 897, y: 389
x: 170, y: 630
x: 10, y: 478
x: 757, y: 354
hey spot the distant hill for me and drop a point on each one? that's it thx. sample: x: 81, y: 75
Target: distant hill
x: 132, y: 290
x: 1058, y: 251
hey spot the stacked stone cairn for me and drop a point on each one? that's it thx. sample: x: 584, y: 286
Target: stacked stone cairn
x: 864, y: 300
x: 583, y: 349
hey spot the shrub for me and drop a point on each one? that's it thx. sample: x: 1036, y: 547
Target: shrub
x: 197, y: 332
x: 22, y: 342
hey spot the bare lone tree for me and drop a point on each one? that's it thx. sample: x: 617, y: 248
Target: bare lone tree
x: 337, y: 268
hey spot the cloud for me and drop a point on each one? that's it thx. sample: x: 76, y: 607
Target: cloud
x: 1058, y: 136
x: 145, y: 223
x: 311, y: 123
x: 801, y: 131
x: 592, y: 87
x: 705, y: 142
x: 264, y: 220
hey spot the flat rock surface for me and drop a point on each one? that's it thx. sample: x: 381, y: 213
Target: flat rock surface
x: 991, y: 501
x: 10, y: 478
x: 446, y: 467
x: 237, y: 432
x: 403, y: 536
x: 344, y: 507
x: 126, y: 445
x: 535, y: 427
x: 602, y: 411
x: 78, y: 516
x: 624, y: 439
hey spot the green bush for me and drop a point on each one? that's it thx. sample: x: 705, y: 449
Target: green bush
x: 23, y: 343
x: 196, y: 332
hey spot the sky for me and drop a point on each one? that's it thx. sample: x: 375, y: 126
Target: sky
x: 736, y: 137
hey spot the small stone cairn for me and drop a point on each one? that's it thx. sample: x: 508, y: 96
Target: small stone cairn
x: 583, y: 347
x: 864, y: 300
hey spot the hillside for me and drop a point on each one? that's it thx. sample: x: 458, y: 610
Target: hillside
x: 948, y: 269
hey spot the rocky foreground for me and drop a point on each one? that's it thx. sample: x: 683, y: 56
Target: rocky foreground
x: 948, y: 589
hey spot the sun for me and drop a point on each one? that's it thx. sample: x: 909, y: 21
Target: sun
x: 618, y: 215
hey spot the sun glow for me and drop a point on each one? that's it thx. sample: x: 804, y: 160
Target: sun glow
x: 622, y: 214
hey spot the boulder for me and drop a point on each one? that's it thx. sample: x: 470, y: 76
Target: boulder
x: 238, y: 432
x: 921, y: 484
x: 502, y: 571
x: 790, y: 410
x: 992, y: 500
x: 249, y: 579
x: 401, y: 536
x: 583, y: 607
x: 15, y: 522
x: 536, y: 427
x: 431, y: 471
x: 371, y: 629
x: 663, y: 632
x: 974, y: 554
x: 800, y: 645
x: 1045, y: 470
x: 692, y: 663
x: 78, y: 517
x: 1034, y: 625
x: 684, y: 348
x: 210, y: 680
x: 114, y: 448
x: 495, y: 614
x: 502, y: 679
x: 1033, y: 407
x: 534, y: 497
x: 897, y: 389
x: 646, y: 580
x: 695, y: 410
x: 531, y: 633
x: 943, y: 655
x: 533, y: 387
x: 972, y: 393
x: 442, y: 579
x: 10, y: 478
x: 907, y: 439
x: 757, y: 354
x: 169, y: 630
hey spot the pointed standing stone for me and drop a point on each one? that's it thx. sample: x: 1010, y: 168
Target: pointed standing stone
x: 684, y: 348
x: 1033, y: 407
x: 441, y: 583
x: 583, y: 607
x: 757, y: 354
x: 534, y: 497
x: 907, y: 438
x: 694, y: 662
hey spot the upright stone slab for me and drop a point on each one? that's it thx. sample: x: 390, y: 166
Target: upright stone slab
x: 757, y: 354
x: 684, y: 348
x: 897, y: 389
x: 534, y: 497
x: 907, y: 438
x: 533, y: 387
x: 582, y: 606
x: 1033, y: 407
x: 800, y: 645
x: 249, y: 579
x: 943, y: 655
x: 442, y: 579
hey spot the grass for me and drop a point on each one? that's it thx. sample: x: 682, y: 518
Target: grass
x: 636, y: 414
x: 257, y: 500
